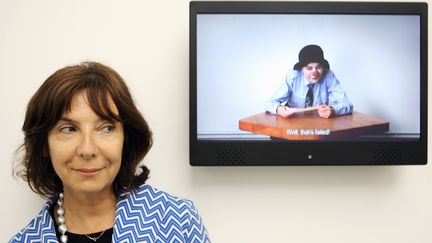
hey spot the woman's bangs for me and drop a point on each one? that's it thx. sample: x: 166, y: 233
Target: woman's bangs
x: 102, y: 103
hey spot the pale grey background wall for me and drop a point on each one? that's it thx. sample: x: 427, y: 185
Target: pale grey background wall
x: 147, y: 42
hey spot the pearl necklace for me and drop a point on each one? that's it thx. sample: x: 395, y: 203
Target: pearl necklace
x: 62, y: 222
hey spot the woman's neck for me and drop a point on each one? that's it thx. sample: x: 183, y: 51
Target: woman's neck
x: 90, y: 212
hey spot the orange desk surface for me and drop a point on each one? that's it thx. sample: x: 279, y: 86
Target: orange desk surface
x: 309, y: 126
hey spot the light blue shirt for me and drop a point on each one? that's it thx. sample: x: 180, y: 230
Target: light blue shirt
x: 327, y: 91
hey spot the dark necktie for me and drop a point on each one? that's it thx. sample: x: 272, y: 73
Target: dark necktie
x: 309, y: 96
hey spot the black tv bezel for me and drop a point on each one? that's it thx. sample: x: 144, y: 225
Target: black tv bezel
x: 262, y: 153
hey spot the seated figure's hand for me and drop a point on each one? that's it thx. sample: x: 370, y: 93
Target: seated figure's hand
x: 325, y: 111
x: 285, y: 111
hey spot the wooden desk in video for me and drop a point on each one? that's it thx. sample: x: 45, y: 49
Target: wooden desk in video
x: 309, y: 126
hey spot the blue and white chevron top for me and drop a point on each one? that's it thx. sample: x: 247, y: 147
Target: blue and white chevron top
x: 149, y: 215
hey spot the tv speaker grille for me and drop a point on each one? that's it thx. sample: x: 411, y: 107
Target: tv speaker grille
x: 388, y: 156
x: 230, y: 156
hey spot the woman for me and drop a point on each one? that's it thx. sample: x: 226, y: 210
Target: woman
x: 84, y: 139
x: 310, y: 85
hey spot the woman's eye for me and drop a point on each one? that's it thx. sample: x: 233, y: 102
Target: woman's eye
x: 68, y: 129
x: 310, y: 68
x: 108, y: 129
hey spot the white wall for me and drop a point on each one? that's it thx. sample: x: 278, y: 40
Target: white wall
x: 147, y: 42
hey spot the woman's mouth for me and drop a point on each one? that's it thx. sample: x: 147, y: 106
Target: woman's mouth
x: 88, y: 171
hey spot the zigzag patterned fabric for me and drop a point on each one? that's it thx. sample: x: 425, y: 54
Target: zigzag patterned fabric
x: 147, y: 215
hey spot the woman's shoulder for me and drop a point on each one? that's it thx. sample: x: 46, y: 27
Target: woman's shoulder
x: 294, y: 74
x: 167, y: 213
x: 152, y: 195
x: 39, y: 229
x: 159, y: 195
x: 329, y: 74
x: 153, y: 203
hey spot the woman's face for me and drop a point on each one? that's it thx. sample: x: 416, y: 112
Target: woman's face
x: 85, y: 149
x: 313, y: 71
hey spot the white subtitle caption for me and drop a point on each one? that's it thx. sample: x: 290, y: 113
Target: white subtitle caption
x: 305, y: 132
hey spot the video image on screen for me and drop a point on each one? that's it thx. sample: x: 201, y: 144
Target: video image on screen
x: 282, y: 77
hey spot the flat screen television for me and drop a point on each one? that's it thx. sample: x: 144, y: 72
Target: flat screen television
x: 308, y: 83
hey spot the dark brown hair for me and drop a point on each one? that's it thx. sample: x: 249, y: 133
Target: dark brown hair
x: 53, y: 99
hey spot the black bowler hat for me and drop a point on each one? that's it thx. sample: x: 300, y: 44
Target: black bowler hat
x: 311, y: 53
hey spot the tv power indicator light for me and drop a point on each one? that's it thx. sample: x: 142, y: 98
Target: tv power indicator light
x: 309, y: 156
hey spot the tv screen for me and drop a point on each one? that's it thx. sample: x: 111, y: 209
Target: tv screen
x: 308, y: 83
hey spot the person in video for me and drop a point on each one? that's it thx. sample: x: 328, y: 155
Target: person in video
x: 310, y: 86
x: 84, y: 141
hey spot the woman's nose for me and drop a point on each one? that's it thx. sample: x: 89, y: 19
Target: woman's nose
x: 87, y: 148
